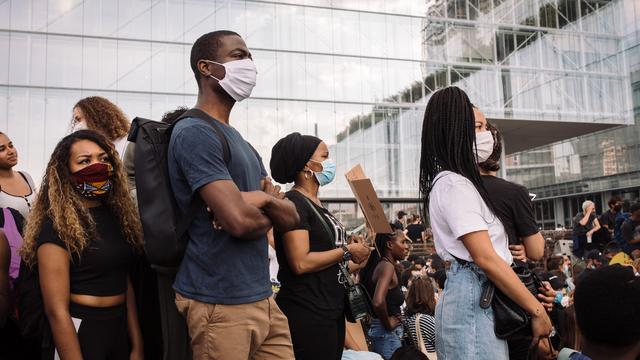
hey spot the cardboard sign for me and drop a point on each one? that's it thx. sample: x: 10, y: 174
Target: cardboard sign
x: 357, y: 173
x: 368, y: 200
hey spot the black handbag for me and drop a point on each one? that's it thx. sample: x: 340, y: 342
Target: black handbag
x: 511, y: 321
x: 357, y: 302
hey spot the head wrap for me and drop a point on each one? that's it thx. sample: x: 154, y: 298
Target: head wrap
x: 290, y: 155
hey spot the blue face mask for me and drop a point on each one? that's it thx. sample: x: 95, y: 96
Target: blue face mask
x: 327, y: 174
x: 558, y: 299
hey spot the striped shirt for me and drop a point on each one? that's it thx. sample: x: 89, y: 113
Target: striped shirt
x: 427, y: 329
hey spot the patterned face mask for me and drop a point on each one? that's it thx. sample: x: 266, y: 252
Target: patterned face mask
x: 95, y: 181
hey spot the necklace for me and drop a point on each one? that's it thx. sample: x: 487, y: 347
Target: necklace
x: 304, y: 192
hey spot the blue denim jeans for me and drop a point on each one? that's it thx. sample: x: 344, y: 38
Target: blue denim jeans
x: 463, y: 329
x: 359, y: 355
x: 385, y: 342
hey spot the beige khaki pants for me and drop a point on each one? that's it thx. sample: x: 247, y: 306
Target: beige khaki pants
x: 257, y: 330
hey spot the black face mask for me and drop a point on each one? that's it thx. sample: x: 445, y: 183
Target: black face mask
x: 617, y: 208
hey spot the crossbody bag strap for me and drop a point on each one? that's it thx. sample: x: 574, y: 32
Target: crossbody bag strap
x: 343, y: 268
x: 419, y: 335
x: 321, y: 219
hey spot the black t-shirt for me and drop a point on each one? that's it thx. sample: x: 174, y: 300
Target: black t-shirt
x: 514, y: 206
x: 103, y: 266
x: 608, y: 219
x: 579, y: 229
x: 319, y: 292
x: 414, y: 232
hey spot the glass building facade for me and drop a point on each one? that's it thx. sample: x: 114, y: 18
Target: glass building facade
x: 591, y: 167
x: 319, y: 65
x: 356, y: 73
x: 523, y: 63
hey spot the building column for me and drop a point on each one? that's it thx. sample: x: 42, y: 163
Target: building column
x: 606, y: 195
x: 558, y: 211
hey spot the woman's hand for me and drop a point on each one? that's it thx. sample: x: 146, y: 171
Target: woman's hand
x: 394, y: 322
x: 359, y: 252
x: 540, y: 325
x: 518, y: 252
x: 136, y: 354
x: 547, y: 295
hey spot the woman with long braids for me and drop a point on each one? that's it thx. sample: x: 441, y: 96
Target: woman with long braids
x: 99, y: 114
x: 83, y: 234
x: 381, y: 278
x: 467, y: 231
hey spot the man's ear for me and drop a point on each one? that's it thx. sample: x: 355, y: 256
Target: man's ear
x: 203, y: 68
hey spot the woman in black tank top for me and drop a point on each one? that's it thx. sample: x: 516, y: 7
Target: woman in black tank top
x: 382, y: 280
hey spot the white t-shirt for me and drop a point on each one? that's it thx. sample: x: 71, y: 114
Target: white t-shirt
x: 121, y: 146
x: 273, y: 264
x: 22, y: 204
x: 456, y: 209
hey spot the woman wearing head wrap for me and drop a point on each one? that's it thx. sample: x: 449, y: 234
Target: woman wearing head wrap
x: 311, y: 296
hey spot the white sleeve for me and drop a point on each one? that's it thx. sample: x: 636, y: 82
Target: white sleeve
x: 462, y: 208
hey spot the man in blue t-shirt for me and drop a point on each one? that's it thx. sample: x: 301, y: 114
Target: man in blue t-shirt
x: 222, y: 286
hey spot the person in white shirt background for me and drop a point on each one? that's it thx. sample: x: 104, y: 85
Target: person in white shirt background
x: 467, y: 232
x: 99, y: 114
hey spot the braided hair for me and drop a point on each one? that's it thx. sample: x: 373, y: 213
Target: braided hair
x: 449, y: 143
x: 381, y: 240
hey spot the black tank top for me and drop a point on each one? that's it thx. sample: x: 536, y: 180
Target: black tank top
x: 394, y: 298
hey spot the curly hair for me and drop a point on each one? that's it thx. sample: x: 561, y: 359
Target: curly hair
x: 104, y: 116
x: 59, y: 201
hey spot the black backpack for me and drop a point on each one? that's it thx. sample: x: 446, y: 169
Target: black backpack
x: 31, y: 317
x: 163, y: 225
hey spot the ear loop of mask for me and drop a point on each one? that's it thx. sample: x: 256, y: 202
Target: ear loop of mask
x: 213, y: 62
x: 310, y: 171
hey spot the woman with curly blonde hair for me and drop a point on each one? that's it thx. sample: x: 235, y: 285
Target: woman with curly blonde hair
x: 83, y: 235
x: 101, y: 115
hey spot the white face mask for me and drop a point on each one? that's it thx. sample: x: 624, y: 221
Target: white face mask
x: 80, y: 125
x: 239, y: 79
x: 484, y: 144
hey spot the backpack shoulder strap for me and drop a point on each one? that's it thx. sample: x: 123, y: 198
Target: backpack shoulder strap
x: 197, y: 203
x: 199, y: 114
